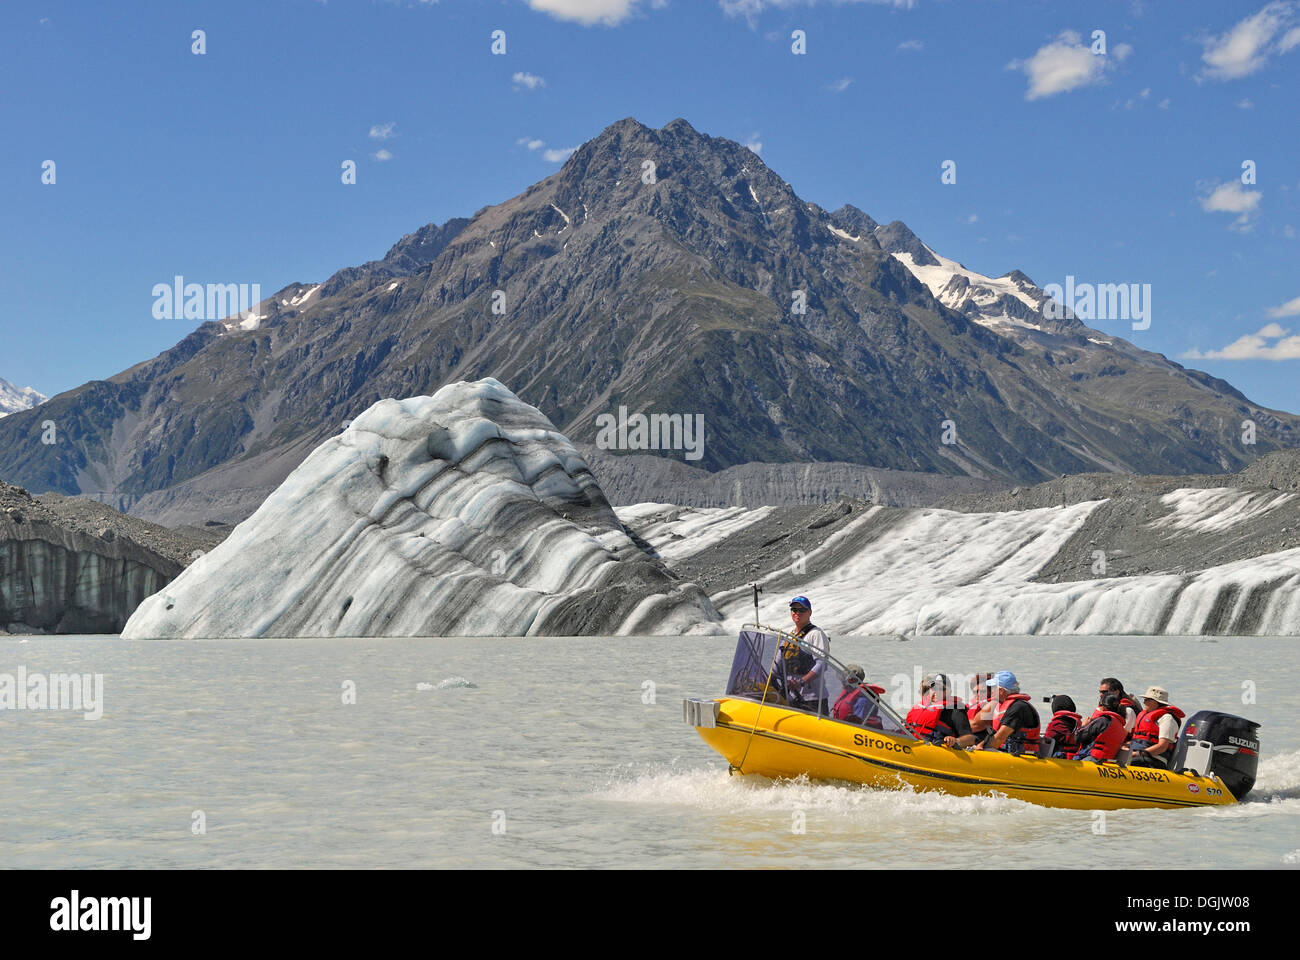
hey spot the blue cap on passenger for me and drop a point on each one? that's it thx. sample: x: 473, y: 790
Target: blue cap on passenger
x: 801, y: 602
x: 1004, y: 679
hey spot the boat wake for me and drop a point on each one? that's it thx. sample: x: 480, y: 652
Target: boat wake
x: 709, y: 788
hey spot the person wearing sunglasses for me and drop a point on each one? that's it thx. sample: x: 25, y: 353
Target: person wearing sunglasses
x: 803, y: 669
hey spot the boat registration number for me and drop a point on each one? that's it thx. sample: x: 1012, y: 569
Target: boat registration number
x: 1115, y: 773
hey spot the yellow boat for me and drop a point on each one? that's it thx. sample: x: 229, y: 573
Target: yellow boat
x: 757, y: 730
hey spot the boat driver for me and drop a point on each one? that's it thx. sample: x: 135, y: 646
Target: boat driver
x: 803, y: 669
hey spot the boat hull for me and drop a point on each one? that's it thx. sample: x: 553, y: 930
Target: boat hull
x: 789, y: 743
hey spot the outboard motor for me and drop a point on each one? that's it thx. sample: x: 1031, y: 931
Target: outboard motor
x: 1222, y: 745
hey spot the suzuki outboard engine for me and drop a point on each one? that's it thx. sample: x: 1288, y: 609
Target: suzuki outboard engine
x: 1221, y: 745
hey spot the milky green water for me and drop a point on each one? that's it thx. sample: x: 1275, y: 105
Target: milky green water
x: 553, y: 759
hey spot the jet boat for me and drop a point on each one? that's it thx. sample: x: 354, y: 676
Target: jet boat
x: 764, y: 726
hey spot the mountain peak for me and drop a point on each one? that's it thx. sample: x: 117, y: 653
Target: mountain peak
x: 897, y: 237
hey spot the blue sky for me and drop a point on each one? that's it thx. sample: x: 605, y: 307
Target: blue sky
x: 225, y: 167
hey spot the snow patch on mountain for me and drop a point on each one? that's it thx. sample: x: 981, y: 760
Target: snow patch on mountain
x: 14, y: 398
x: 955, y: 286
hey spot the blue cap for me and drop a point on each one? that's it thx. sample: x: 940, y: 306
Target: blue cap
x: 802, y: 601
x: 1004, y: 679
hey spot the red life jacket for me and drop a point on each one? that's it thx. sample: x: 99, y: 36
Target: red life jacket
x: 847, y: 700
x: 924, y: 720
x: 1125, y: 703
x: 1065, y: 733
x: 1107, y: 745
x: 1147, y: 731
x: 973, y: 710
x: 1021, y: 741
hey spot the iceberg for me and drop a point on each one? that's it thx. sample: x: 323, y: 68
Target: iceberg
x: 462, y: 514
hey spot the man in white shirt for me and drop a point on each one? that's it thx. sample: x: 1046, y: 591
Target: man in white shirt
x: 804, y: 677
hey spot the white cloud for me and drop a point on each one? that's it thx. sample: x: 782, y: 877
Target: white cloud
x: 1246, y: 47
x: 973, y: 218
x: 1289, y: 309
x: 610, y: 13
x: 1064, y: 64
x: 529, y: 80
x: 1163, y: 104
x: 840, y: 85
x: 1255, y: 346
x: 910, y: 45
x: 1230, y: 197
x: 1245, y: 103
x: 381, y: 155
x: 382, y: 131
x: 557, y: 156
x: 753, y: 143
x: 749, y: 9
x: 530, y: 143
x: 1121, y: 51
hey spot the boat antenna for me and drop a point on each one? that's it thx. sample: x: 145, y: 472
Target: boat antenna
x: 757, y: 590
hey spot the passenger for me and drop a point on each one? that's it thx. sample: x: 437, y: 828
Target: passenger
x: 803, y: 670
x: 982, y: 704
x: 1128, y: 704
x: 1156, y: 730
x: 1102, y: 736
x: 1015, y: 721
x: 940, y: 717
x: 1063, y: 728
x: 855, y: 704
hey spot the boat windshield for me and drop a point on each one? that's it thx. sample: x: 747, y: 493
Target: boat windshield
x: 765, y: 661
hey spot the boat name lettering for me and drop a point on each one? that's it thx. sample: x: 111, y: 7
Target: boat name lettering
x: 862, y: 740
x: 1114, y: 773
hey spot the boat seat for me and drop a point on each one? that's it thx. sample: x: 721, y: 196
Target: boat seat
x: 1046, y: 745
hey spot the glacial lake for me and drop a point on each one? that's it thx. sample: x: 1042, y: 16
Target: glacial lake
x: 552, y: 759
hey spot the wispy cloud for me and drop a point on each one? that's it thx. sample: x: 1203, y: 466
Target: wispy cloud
x: 383, y: 131
x: 1232, y: 197
x: 908, y: 45
x: 1273, y: 342
x: 531, y: 143
x: 840, y: 85
x: 1247, y: 46
x: 753, y: 143
x: 552, y: 155
x: 529, y: 80
x: 381, y: 155
x: 1065, y: 64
